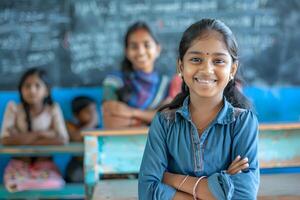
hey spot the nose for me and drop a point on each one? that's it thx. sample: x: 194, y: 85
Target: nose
x: 207, y: 67
x: 32, y: 89
x: 141, y: 49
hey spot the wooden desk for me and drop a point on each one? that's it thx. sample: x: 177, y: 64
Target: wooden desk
x: 16, y: 150
x: 279, y: 146
x: 117, y: 132
x: 69, y: 191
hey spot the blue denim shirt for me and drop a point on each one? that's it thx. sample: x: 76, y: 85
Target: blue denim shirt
x: 174, y: 145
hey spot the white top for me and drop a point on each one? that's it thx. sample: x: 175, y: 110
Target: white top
x: 50, y: 119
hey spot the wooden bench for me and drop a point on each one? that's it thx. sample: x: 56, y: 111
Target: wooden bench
x: 69, y: 191
x: 120, y: 151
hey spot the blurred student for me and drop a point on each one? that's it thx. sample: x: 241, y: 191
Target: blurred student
x: 37, y: 120
x: 132, y: 96
x: 86, y: 117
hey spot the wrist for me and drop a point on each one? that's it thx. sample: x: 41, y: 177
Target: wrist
x: 195, y: 188
x: 181, y: 183
x: 134, y: 112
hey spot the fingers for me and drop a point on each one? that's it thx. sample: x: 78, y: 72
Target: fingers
x: 237, y: 165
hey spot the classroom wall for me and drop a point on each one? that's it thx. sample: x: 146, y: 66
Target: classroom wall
x: 79, y: 41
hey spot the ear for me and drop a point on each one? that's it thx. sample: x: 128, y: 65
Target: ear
x: 158, y: 50
x: 234, y: 68
x: 179, y: 67
x: 47, y: 92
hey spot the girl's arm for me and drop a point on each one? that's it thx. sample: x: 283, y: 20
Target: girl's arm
x: 112, y: 121
x: 17, y: 138
x: 154, y: 164
x: 187, y: 183
x: 202, y: 189
x: 10, y: 135
x: 117, y: 114
x: 57, y: 134
x: 242, y: 185
x: 144, y: 115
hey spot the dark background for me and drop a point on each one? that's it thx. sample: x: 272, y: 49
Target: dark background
x: 79, y: 41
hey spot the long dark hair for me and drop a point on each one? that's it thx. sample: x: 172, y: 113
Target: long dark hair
x: 47, y: 100
x: 196, y: 30
x: 126, y: 65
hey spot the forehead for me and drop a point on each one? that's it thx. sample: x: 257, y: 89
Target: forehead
x: 209, y: 42
x: 33, y: 78
x: 140, y: 35
x: 89, y: 108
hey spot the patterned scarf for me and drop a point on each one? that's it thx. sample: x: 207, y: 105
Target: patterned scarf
x: 141, y: 88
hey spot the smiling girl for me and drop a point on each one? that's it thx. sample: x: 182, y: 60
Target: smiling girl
x: 132, y: 97
x: 203, y: 145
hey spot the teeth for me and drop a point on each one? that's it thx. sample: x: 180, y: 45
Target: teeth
x: 204, y: 80
x: 141, y: 59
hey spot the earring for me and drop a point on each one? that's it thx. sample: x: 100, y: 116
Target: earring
x: 231, y: 77
x: 179, y: 74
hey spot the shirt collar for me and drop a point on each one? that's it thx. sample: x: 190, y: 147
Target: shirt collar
x: 225, y: 116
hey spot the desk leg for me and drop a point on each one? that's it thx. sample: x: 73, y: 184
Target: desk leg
x: 91, y: 174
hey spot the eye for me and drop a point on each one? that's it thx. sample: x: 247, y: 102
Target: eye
x: 132, y: 46
x: 219, y: 61
x: 196, y: 60
x: 27, y: 85
x: 147, y: 45
x: 37, y: 85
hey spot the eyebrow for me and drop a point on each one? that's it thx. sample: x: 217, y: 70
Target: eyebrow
x: 200, y: 52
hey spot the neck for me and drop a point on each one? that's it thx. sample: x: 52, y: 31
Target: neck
x: 36, y: 108
x: 205, y: 105
x: 204, y: 111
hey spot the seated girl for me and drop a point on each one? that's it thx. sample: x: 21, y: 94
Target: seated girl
x: 37, y: 120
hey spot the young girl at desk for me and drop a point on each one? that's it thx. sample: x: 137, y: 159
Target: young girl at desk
x: 132, y: 97
x: 203, y: 145
x: 35, y: 121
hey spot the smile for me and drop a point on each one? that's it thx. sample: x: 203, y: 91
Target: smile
x: 205, y: 81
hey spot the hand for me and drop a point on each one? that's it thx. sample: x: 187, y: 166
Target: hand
x: 238, y: 165
x: 44, y: 134
x: 93, y: 122
x: 118, y: 108
x: 13, y: 132
x: 111, y: 121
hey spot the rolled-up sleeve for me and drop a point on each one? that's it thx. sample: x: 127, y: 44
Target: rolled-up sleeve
x: 243, y: 185
x: 154, y: 164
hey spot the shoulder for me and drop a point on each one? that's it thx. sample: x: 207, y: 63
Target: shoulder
x: 166, y: 117
x: 114, y: 78
x: 13, y: 107
x: 246, y: 122
x: 242, y: 115
x: 54, y: 108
